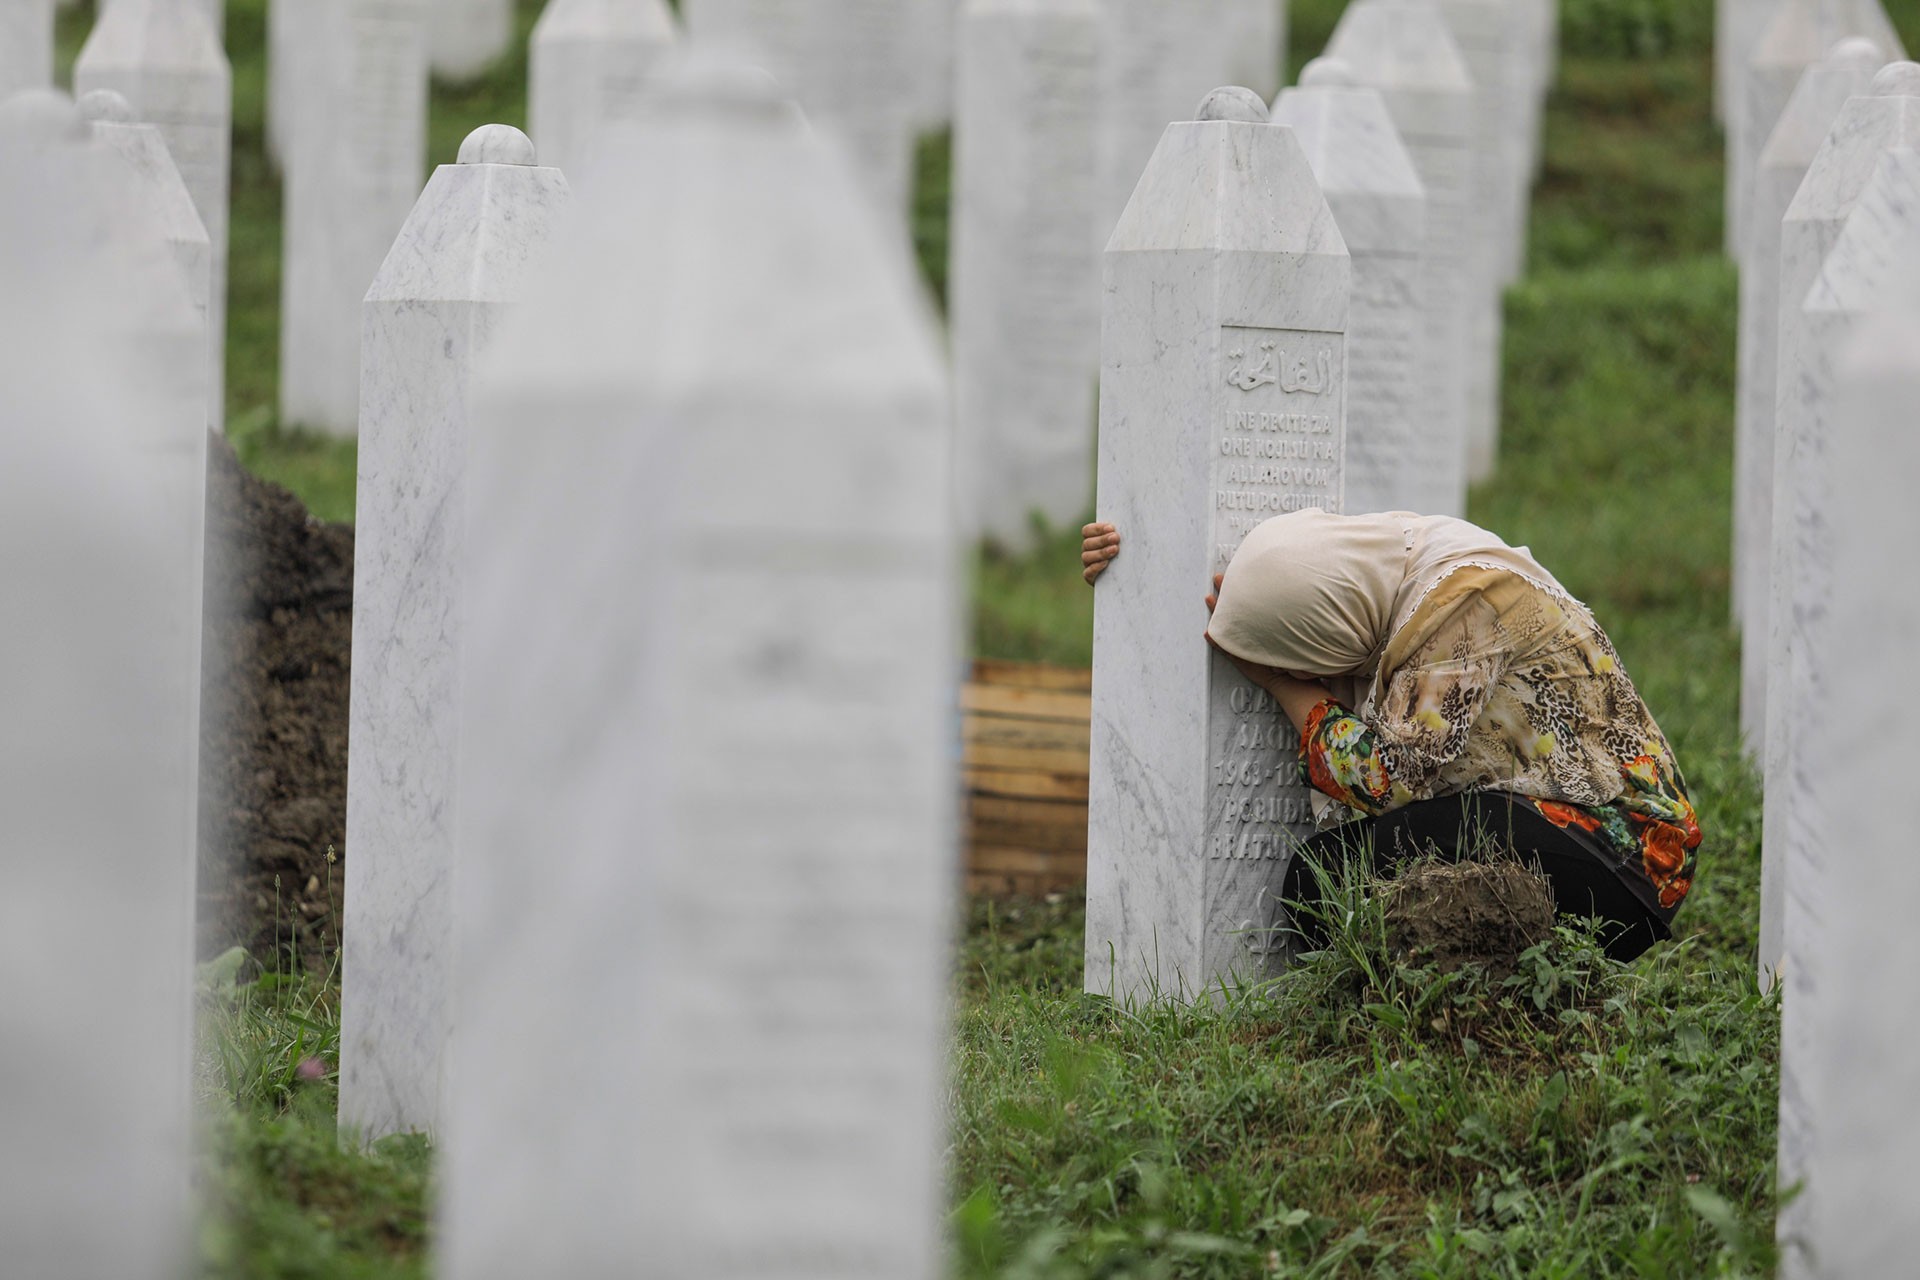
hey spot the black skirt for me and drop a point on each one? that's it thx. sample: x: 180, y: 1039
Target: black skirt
x: 1453, y: 828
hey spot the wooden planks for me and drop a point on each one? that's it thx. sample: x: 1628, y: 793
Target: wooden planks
x: 1024, y: 735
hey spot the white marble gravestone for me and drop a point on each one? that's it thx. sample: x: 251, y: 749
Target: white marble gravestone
x: 1222, y: 403
x: 1880, y: 237
x: 462, y: 260
x: 853, y: 65
x: 1257, y: 56
x: 1025, y: 278
x: 143, y: 151
x: 1736, y: 26
x: 1395, y: 459
x: 1822, y: 91
x: 1492, y: 46
x: 102, y: 474
x: 1860, y: 1173
x: 26, y: 46
x: 1403, y: 49
x: 467, y: 37
x: 1156, y: 60
x: 939, y: 34
x: 707, y: 756
x: 1887, y: 116
x: 283, y: 37
x: 164, y: 58
x: 591, y: 63
x: 1798, y: 34
x: 355, y: 166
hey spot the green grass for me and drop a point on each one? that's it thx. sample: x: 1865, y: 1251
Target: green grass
x: 1357, y: 1118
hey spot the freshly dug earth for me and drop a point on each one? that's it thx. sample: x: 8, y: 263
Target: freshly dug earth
x: 273, y: 735
x: 1452, y: 914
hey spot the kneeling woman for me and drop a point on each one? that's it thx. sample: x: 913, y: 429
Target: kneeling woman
x: 1449, y: 693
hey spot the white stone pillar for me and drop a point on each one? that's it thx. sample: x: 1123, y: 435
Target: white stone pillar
x: 166, y: 61
x: 1866, y: 1027
x: 26, y: 46
x: 591, y: 63
x: 358, y: 152
x: 1803, y: 126
x: 707, y: 757
x: 1737, y: 24
x: 283, y: 18
x: 1223, y: 374
x: 851, y: 64
x: 1403, y: 49
x: 463, y: 259
x: 939, y: 27
x: 1025, y: 279
x: 1883, y: 230
x: 1799, y: 33
x: 102, y: 474
x: 1157, y: 59
x: 1257, y: 56
x: 1887, y: 116
x: 143, y: 152
x: 1395, y: 459
x: 1493, y: 48
x: 465, y: 38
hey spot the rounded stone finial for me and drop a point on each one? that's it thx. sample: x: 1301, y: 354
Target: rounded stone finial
x: 1855, y: 49
x: 1231, y: 102
x: 497, y: 144
x: 1328, y: 73
x: 1896, y: 80
x: 43, y: 115
x: 105, y: 106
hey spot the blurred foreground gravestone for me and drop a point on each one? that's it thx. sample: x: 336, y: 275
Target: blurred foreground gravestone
x: 1881, y: 236
x: 355, y: 152
x: 1886, y: 116
x: 102, y: 469
x: 707, y: 761
x: 164, y: 58
x: 1395, y: 459
x: 1402, y: 48
x: 26, y: 46
x: 467, y: 37
x: 1865, y: 1028
x: 851, y: 64
x: 591, y: 63
x: 1223, y: 376
x: 1025, y: 308
x: 464, y: 257
x: 1845, y: 72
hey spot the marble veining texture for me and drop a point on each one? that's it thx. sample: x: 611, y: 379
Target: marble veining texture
x: 1865, y: 1031
x: 102, y: 475
x: 462, y: 259
x: 1497, y: 60
x: 1157, y: 61
x: 1403, y: 49
x: 26, y: 46
x: 466, y: 37
x: 708, y: 733
x: 1803, y: 126
x: 853, y: 65
x: 1222, y: 403
x: 165, y: 59
x: 356, y: 148
x: 1395, y: 459
x: 1880, y: 237
x: 1865, y: 128
x: 591, y: 64
x: 1800, y: 33
x: 1025, y: 305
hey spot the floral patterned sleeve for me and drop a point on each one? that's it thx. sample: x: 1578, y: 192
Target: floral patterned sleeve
x: 1341, y: 758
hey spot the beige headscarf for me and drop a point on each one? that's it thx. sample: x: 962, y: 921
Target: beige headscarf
x: 1322, y: 595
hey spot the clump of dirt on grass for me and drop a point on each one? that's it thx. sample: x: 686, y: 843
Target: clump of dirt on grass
x: 273, y: 732
x: 1449, y: 915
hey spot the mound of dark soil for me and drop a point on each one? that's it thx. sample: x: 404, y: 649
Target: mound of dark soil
x: 273, y: 738
x: 1453, y: 914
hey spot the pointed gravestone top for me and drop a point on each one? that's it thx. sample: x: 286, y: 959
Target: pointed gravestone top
x: 1881, y: 237
x: 153, y: 35
x: 1823, y: 90
x: 1357, y: 157
x: 1886, y: 115
x: 1403, y: 43
x: 145, y: 151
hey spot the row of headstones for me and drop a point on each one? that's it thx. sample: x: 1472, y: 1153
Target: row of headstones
x: 1825, y: 197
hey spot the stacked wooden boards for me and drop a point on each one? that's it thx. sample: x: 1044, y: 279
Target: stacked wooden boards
x: 1025, y: 732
